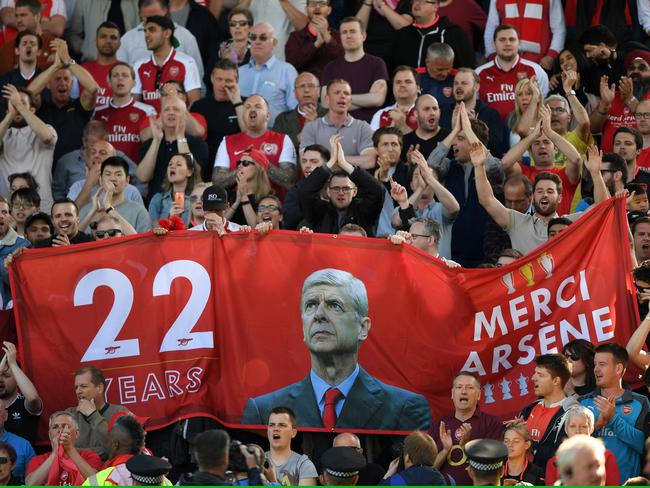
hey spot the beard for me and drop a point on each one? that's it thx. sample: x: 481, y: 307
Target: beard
x: 20, y: 124
x: 640, y: 87
x: 550, y: 210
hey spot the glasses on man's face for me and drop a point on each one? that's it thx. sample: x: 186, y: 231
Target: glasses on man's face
x: 267, y: 208
x: 557, y: 110
x: 425, y: 236
x: 318, y: 3
x: 642, y: 115
x: 244, y: 163
x: 194, y: 198
x: 637, y: 67
x: 607, y: 170
x: 23, y: 206
x: 340, y: 189
x: 103, y: 234
x: 4, y: 460
x: 238, y: 23
x: 261, y: 37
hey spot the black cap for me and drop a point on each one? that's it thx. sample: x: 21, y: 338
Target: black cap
x: 635, y: 214
x: 148, y: 470
x: 342, y: 462
x: 165, y: 23
x: 40, y: 216
x: 486, y: 454
x: 215, y: 198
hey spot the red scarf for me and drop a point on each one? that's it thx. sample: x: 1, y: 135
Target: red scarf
x: 64, y: 470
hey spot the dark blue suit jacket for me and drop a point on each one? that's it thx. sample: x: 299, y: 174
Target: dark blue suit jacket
x: 370, y: 404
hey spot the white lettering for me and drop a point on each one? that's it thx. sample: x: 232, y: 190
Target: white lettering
x: 473, y: 364
x: 500, y: 357
x: 600, y: 323
x: 517, y: 313
x: 558, y: 295
x: 480, y: 322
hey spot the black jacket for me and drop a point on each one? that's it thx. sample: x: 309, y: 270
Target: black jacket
x: 554, y: 435
x: 323, y: 216
x: 411, y: 43
x: 201, y: 478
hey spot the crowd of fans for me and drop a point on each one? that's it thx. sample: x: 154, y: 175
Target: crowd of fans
x: 473, y: 130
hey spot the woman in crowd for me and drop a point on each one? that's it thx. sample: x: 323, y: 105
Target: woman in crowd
x: 252, y: 185
x: 182, y: 174
x: 237, y: 48
x: 580, y: 354
x: 579, y: 420
x: 572, y: 59
x: 519, y: 466
x: 22, y: 180
x: 526, y: 93
x: 197, y: 217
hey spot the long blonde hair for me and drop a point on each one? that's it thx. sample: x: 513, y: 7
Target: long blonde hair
x: 517, y: 113
x: 262, y: 183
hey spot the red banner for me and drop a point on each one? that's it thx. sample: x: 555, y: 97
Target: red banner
x: 193, y: 324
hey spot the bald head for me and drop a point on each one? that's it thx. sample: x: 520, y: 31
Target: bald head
x: 347, y: 439
x: 642, y: 114
x: 307, y: 89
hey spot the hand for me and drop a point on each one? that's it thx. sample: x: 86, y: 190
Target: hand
x: 545, y: 115
x: 10, y: 353
x: 242, y: 188
x: 534, y: 87
x: 334, y: 150
x: 60, y: 240
x: 86, y: 407
x: 569, y: 80
x: 409, y: 153
x: 108, y: 198
x: 554, y: 81
x: 452, y: 264
x: 398, y: 193
x: 216, y: 224
x: 233, y: 93
x: 419, y: 179
x: 478, y: 154
x: 547, y: 62
x: 12, y: 95
x: 269, y: 472
x: 399, y: 118
x: 445, y: 437
x: 10, y: 259
x: 245, y: 228
x: 593, y: 158
x: 61, y: 48
x: 392, y: 468
x: 305, y: 230
x: 607, y: 93
x: 517, y: 420
x: 251, y: 462
x: 311, y: 112
x: 66, y: 440
x: 626, y: 88
x: 466, y: 434
x: 156, y: 129
x: 160, y: 231
x: 95, y: 201
x: 181, y: 123
x: 264, y: 228
x: 381, y: 173
x: 606, y: 407
x: 464, y: 117
x: 176, y: 209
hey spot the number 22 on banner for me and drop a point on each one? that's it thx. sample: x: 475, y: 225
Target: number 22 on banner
x: 180, y: 333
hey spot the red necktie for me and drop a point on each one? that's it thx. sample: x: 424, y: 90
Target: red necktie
x: 329, y: 412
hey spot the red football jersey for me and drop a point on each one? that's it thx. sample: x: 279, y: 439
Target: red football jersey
x: 49, y: 9
x: 498, y: 86
x: 100, y: 74
x: 124, y: 124
x: 149, y: 76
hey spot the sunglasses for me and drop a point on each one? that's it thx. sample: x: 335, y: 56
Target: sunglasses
x: 238, y: 23
x: 245, y: 163
x: 4, y: 460
x: 572, y: 356
x: 261, y: 37
x: 107, y: 233
x: 194, y: 198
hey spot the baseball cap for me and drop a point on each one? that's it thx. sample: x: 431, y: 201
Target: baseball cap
x: 165, y: 23
x: 215, y: 198
x: 40, y: 216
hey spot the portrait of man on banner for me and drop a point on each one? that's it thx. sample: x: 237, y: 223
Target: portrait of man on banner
x: 338, y: 392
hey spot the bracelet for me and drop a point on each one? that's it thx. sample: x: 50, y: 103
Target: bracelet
x: 606, y: 112
x: 109, y: 210
x: 247, y: 202
x: 238, y: 104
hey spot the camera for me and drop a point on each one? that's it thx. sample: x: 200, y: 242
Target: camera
x: 237, y: 461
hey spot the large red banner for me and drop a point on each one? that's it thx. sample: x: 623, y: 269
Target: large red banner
x: 193, y: 324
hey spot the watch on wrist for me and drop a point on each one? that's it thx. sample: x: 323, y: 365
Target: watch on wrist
x: 72, y: 61
x: 109, y: 210
x: 572, y: 92
x: 182, y: 140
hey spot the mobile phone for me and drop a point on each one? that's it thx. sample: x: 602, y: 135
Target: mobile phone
x: 179, y: 199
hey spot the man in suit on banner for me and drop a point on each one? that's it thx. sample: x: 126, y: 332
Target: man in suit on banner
x: 337, y: 392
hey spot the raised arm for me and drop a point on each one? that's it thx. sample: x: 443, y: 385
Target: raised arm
x: 147, y: 166
x: 574, y: 160
x: 86, y: 80
x: 450, y: 205
x: 45, y: 134
x: 33, y: 402
x: 494, y: 207
x: 599, y: 116
x: 635, y: 345
x: 578, y: 111
x: 593, y: 158
x: 510, y: 160
x: 297, y: 18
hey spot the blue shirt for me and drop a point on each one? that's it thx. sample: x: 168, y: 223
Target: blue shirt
x: 320, y: 387
x: 24, y: 450
x: 274, y: 81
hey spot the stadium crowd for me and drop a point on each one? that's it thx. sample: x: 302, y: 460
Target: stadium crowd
x: 473, y: 130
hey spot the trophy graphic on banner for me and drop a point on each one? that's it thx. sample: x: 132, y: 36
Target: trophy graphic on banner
x: 489, y: 393
x: 505, y: 389
x: 528, y: 273
x: 508, y: 280
x: 546, y: 262
x: 522, y: 382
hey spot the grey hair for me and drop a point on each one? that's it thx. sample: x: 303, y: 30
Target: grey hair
x: 62, y: 413
x: 440, y: 50
x: 351, y: 285
x: 558, y: 98
x: 579, y: 410
x: 431, y: 226
x: 574, y: 446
